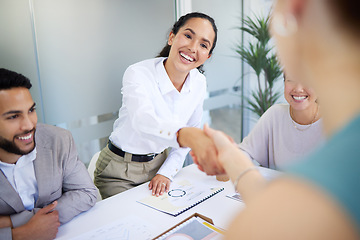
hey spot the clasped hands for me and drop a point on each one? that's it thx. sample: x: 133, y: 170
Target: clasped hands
x: 212, y: 150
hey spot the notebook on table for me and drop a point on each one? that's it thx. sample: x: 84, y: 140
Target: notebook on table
x: 183, y: 195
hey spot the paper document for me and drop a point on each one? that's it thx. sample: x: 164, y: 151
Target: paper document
x: 235, y: 196
x: 128, y: 228
x: 183, y: 195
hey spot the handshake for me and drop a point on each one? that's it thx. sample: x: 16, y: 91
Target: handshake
x: 214, y: 152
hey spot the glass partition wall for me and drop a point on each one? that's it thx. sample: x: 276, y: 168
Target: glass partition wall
x: 75, y: 53
x: 223, y: 71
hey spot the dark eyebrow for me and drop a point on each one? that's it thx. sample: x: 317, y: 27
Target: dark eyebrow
x: 192, y: 31
x: 204, y: 39
x: 11, y: 112
x: 17, y: 111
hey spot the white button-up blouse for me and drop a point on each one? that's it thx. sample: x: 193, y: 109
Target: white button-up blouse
x: 153, y: 110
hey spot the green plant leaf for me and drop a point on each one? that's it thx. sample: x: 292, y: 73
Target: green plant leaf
x: 255, y: 55
x: 264, y: 63
x: 272, y: 70
x: 257, y: 28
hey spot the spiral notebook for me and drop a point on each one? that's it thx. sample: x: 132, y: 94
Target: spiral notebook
x: 183, y: 195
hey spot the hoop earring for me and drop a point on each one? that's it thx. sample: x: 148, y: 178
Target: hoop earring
x: 284, y: 26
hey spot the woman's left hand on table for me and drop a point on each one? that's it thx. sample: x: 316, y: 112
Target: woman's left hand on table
x: 159, y: 185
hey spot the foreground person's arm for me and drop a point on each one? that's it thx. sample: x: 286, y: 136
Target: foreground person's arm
x: 243, y: 173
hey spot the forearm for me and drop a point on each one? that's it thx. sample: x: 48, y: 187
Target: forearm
x: 7, y: 232
x: 23, y: 217
x: 187, y: 136
x: 251, y: 181
x: 5, y: 221
x: 20, y: 233
x: 74, y: 202
x: 78, y: 190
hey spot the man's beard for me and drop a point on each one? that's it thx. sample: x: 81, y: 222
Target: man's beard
x: 11, y: 147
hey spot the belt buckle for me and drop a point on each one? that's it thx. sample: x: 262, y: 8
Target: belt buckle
x: 152, y: 155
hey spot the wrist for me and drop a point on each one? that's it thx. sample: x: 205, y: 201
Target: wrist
x: 20, y: 233
x: 242, y: 174
x: 235, y: 162
x: 5, y: 221
x: 186, y: 136
x: 235, y: 157
x: 178, y: 137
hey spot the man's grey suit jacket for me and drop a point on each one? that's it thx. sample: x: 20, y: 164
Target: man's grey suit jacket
x: 60, y: 176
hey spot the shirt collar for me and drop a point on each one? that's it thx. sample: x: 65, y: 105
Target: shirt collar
x: 187, y: 84
x: 164, y: 82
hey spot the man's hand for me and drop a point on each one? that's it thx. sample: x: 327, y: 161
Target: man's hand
x: 159, y: 184
x: 42, y: 226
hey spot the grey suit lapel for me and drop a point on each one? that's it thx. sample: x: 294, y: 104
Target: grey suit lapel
x: 9, y: 195
x: 44, y: 166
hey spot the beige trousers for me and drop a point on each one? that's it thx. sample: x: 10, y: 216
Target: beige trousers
x: 115, y: 174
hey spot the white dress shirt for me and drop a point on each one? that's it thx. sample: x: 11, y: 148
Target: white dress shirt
x: 153, y: 110
x: 22, y: 178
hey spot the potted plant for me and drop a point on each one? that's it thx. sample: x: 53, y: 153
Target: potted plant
x: 258, y: 55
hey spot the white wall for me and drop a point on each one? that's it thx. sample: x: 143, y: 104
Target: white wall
x: 17, y: 50
x: 75, y: 53
x: 223, y: 69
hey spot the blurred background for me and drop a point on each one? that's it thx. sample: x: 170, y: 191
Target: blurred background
x: 76, y: 51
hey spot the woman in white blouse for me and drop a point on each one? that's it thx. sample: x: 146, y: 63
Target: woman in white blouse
x: 160, y: 97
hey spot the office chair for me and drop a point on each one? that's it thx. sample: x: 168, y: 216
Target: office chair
x: 91, y: 169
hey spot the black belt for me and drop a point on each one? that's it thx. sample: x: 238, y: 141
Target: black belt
x: 134, y: 157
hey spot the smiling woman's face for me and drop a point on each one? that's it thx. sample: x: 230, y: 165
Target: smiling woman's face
x: 298, y: 96
x: 191, y: 46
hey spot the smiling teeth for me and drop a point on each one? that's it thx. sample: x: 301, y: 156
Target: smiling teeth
x: 299, y: 98
x: 187, y: 57
x: 25, y: 138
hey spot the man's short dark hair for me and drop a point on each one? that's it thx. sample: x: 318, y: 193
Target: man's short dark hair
x: 10, y: 79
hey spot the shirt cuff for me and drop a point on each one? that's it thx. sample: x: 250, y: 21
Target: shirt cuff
x: 20, y: 219
x: 174, y: 162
